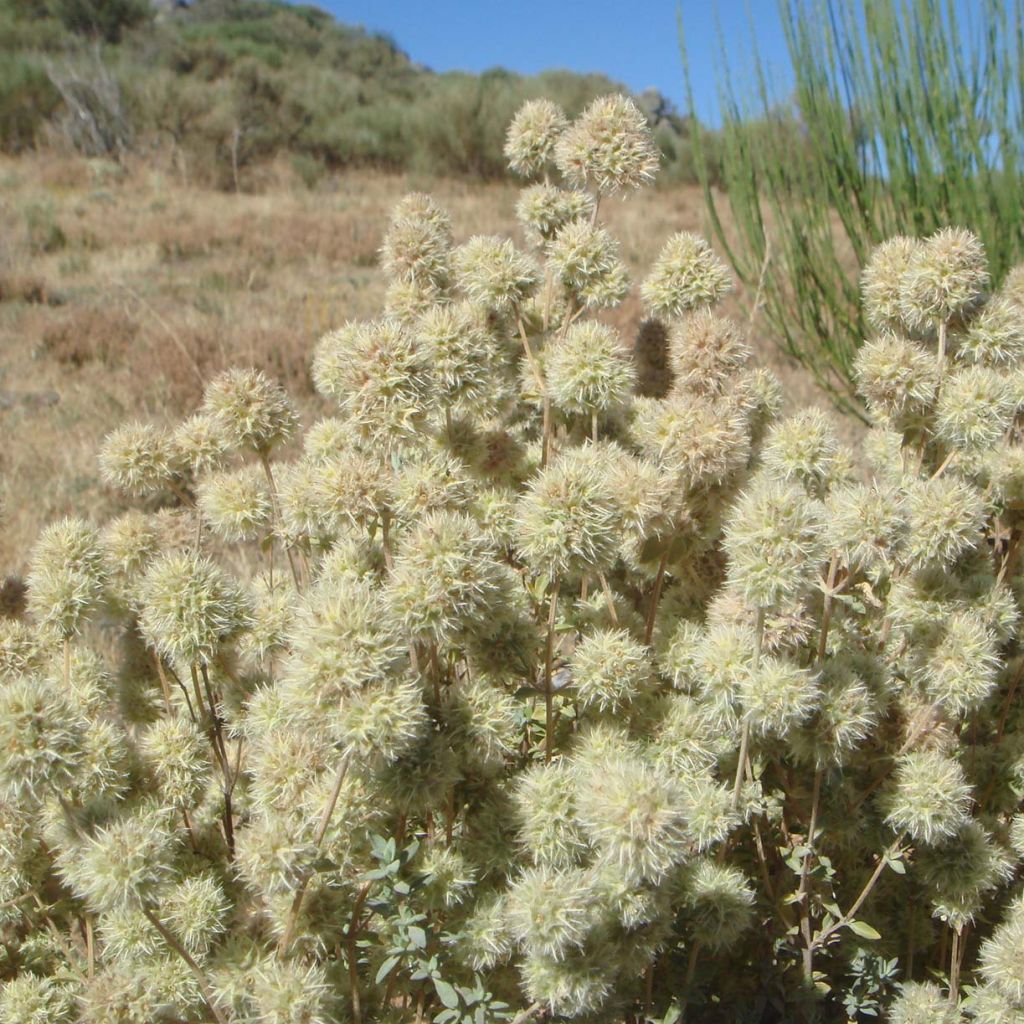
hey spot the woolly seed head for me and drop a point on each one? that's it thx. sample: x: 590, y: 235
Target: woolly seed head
x: 236, y: 504
x: 485, y: 939
x: 291, y: 992
x: 190, y: 607
x: 543, y: 210
x: 271, y: 621
x: 445, y: 578
x: 1001, y: 957
x: 123, y: 863
x: 463, y: 354
x: 930, y: 797
x: 348, y: 489
x: 494, y: 274
x: 634, y: 816
x: 138, y: 459
x: 381, y: 723
x: 195, y: 911
x: 719, y: 902
x: 22, y: 649
x: 705, y: 352
x: 804, y: 449
x: 431, y: 483
x: 687, y: 274
x: 568, y: 522
x: 945, y: 517
x: 777, y: 695
x: 611, y: 670
x: 531, y: 138
x: 379, y: 375
x: 574, y: 986
x: 40, y: 738
x: 866, y: 524
x: 974, y: 410
x: 995, y: 335
x: 586, y: 260
x: 609, y: 147
x: 343, y: 639
x: 922, y: 1002
x: 589, y: 370
x: 199, y: 444
x: 484, y: 721
x: 710, y: 815
x: 897, y: 377
x: 880, y: 282
x: 418, y: 244
x: 29, y: 999
x: 253, y: 411
x: 66, y: 576
x: 545, y: 815
x: 945, y: 278
x: 774, y: 539
x: 548, y: 911
x: 963, y: 669
x: 128, y: 544
x: 698, y: 441
x: 178, y: 754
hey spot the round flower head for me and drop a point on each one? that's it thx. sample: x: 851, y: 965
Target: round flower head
x: 138, y: 459
x: 237, y: 505
x: 379, y: 375
x: 611, y: 670
x: 930, y: 797
x: 549, y: 911
x: 586, y: 260
x: 327, y: 437
x: 945, y: 278
x: 963, y: 670
x: 254, y: 412
x: 609, y: 147
x: 290, y: 991
x: 974, y: 410
x: 22, y: 649
x: 774, y: 539
x: 719, y: 904
x: 589, y: 370
x: 463, y: 354
x: 867, y: 525
x: 568, y: 522
x: 179, y: 756
x: 573, y: 986
x: 417, y: 247
x: 446, y: 578
x: 349, y: 488
x: 634, y: 816
x: 922, y: 1002
x: 945, y: 518
x: 897, y: 377
x: 705, y: 352
x: 880, y: 282
x: 382, y: 723
x: 199, y: 444
x: 485, y: 938
x: 66, y: 576
x: 1001, y: 958
x: 804, y: 449
x: 531, y: 138
x: 406, y: 301
x: 28, y: 999
x: 544, y: 210
x: 995, y: 335
x: 343, y: 639
x: 777, y: 695
x: 128, y: 543
x: 494, y: 274
x: 1013, y: 286
x: 548, y: 830
x: 431, y: 483
x: 686, y: 274
x: 194, y: 910
x: 698, y: 441
x: 40, y: 738
x: 190, y: 607
x: 483, y: 720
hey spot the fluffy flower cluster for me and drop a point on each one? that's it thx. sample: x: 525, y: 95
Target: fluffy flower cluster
x: 503, y: 690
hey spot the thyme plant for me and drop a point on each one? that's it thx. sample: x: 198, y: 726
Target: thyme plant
x: 506, y: 693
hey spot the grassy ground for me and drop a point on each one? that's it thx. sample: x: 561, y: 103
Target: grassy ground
x: 121, y: 292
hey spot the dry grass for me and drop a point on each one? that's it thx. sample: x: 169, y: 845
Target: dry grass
x: 121, y: 292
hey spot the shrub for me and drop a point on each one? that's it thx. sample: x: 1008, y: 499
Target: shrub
x: 504, y: 692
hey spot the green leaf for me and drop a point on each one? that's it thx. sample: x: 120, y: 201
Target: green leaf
x: 386, y: 968
x: 446, y: 993
x: 864, y: 930
x: 897, y: 865
x: 418, y: 936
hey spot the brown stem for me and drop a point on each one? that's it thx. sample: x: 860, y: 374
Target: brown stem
x: 529, y: 1012
x: 610, y: 597
x: 385, y: 533
x: 352, y: 954
x: 826, y: 612
x: 955, y: 963
x: 745, y: 731
x: 652, y: 612
x: 549, y: 652
x: 67, y: 664
x: 219, y: 757
x: 197, y: 971
x: 803, y: 894
x: 691, y: 970
x: 276, y: 505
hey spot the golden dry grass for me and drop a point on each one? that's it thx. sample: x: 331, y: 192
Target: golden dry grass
x: 121, y: 291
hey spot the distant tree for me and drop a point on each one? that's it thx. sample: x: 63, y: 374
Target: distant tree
x: 102, y: 19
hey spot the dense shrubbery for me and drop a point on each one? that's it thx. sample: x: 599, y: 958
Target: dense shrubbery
x: 226, y: 85
x: 506, y: 692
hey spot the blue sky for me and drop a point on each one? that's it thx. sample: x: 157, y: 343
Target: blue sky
x: 635, y: 43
